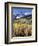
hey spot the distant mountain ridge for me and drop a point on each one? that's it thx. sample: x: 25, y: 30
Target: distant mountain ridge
x: 24, y: 16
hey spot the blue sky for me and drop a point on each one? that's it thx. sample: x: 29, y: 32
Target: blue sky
x: 21, y: 11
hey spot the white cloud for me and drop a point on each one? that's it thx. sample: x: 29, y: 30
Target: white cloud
x: 27, y: 13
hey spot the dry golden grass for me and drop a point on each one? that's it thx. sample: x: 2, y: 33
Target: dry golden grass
x: 22, y: 28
